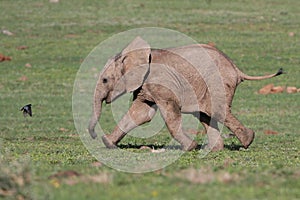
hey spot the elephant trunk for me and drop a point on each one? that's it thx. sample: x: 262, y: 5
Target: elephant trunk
x: 96, y: 113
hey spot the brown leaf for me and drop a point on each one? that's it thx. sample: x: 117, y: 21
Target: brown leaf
x: 199, y: 176
x: 99, y: 178
x: 227, y: 162
x: 211, y: 44
x: 30, y: 139
x: 270, y: 132
x: 64, y: 174
x: 23, y: 78
x: 63, y: 129
x: 277, y: 89
x: 103, y: 178
x: 22, y: 47
x: 7, y: 193
x: 291, y: 34
x: 296, y: 174
x: 96, y: 164
x: 73, y: 135
x: 291, y: 90
x: 266, y: 89
x: 71, y: 181
x: 206, y: 175
x: 226, y: 177
x: 28, y: 65
x: 71, y: 36
x: 4, y: 58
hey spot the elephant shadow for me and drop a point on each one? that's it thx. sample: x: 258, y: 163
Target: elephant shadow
x: 230, y: 147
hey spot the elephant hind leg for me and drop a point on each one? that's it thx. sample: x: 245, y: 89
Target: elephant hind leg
x: 215, y: 140
x: 172, y: 116
x: 245, y: 135
x: 139, y: 113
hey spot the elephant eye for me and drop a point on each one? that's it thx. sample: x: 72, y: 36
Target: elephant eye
x: 104, y: 80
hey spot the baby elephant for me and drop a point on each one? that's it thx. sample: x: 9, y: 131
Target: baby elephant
x: 198, y: 79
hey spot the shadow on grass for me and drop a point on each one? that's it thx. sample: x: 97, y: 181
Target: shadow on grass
x: 231, y: 147
x: 152, y: 146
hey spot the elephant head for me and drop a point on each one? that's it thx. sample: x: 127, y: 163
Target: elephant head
x: 125, y: 72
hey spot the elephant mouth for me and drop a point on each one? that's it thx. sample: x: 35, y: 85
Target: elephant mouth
x: 108, y: 98
x: 112, y: 96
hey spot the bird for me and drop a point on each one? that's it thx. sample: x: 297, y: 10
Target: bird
x: 26, y: 110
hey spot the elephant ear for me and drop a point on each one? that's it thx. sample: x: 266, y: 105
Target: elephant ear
x: 136, y: 61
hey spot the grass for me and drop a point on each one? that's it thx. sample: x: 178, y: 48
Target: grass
x: 60, y: 35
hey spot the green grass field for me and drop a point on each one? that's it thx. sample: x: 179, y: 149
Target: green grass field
x: 260, y: 36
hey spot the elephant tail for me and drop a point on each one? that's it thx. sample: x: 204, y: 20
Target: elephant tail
x: 252, y: 78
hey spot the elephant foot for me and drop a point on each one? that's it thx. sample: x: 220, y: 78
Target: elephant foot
x: 190, y: 146
x: 246, y: 137
x: 215, y: 140
x: 108, y: 143
x: 216, y: 146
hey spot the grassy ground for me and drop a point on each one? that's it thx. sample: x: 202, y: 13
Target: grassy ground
x: 260, y: 36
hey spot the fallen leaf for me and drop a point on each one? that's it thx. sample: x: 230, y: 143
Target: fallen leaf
x: 296, y: 174
x: 63, y: 129
x: 7, y: 32
x: 4, y: 58
x: 291, y: 90
x: 53, y: 1
x: 23, y: 78
x: 227, y: 162
x: 30, y: 139
x: 99, y: 178
x: 28, y: 65
x: 73, y: 135
x: 72, y: 178
x: 277, y: 89
x: 198, y: 176
x: 266, y: 89
x: 291, y: 34
x: 71, y: 181
x: 55, y: 183
x: 71, y: 36
x: 206, y: 175
x: 298, y: 90
x: 96, y: 164
x: 22, y: 47
x: 7, y: 193
x: 211, y: 44
x: 226, y: 177
x: 64, y: 174
x: 270, y: 132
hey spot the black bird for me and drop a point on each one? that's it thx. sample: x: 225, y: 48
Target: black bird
x: 27, y: 110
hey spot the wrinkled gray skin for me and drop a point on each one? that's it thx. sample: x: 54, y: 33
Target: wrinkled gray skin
x: 197, y: 79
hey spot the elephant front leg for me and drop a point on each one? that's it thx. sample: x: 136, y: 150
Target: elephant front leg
x: 138, y: 114
x: 215, y: 140
x: 172, y: 116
